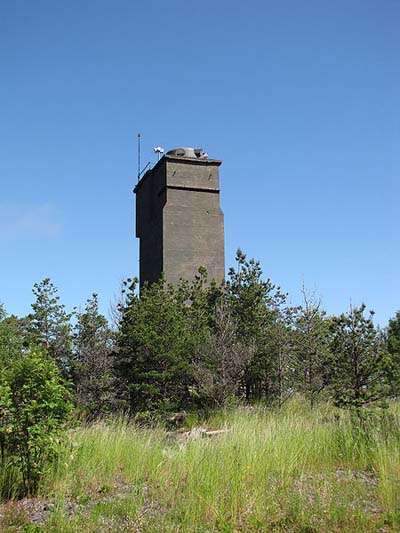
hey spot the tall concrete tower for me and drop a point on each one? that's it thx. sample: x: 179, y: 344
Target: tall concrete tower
x: 178, y: 217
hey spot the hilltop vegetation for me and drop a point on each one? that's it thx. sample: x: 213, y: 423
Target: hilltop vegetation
x: 304, y: 398
x: 282, y: 470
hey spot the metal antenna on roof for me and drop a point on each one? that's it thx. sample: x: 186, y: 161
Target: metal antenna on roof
x: 138, y: 157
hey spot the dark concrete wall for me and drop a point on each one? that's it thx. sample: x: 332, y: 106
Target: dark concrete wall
x: 179, y: 220
x: 150, y: 200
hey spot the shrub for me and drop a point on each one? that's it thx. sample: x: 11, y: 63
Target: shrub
x: 34, y: 406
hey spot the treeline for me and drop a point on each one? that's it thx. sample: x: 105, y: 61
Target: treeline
x: 195, y: 346
x: 200, y: 345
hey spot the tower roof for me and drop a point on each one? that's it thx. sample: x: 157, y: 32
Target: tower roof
x: 177, y: 155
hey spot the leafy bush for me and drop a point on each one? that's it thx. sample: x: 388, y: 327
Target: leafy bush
x: 34, y: 406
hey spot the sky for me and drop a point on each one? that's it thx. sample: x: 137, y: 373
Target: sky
x: 300, y: 100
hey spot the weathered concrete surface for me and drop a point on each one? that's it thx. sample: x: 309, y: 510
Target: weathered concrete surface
x: 179, y: 220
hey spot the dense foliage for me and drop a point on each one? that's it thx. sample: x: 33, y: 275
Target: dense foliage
x: 92, y: 367
x: 197, y: 345
x: 33, y: 409
x: 182, y: 348
x: 159, y: 334
x: 393, y: 345
x: 358, y: 360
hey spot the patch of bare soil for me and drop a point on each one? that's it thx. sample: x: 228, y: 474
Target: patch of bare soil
x: 15, y: 515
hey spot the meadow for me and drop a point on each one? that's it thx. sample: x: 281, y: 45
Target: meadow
x: 293, y: 469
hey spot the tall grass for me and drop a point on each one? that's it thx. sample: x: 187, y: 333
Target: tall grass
x: 287, y: 470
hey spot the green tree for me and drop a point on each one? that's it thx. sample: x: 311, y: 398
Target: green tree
x: 5, y: 419
x: 50, y: 324
x: 93, y: 362
x: 202, y: 298
x: 393, y: 346
x: 221, y: 362
x: 12, y: 339
x: 310, y: 347
x: 34, y: 406
x: 156, y: 343
x: 358, y: 360
x: 11, y: 349
x: 256, y: 305
x: 280, y: 347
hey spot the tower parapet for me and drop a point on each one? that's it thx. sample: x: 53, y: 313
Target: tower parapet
x: 179, y: 221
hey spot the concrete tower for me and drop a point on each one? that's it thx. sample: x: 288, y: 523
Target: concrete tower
x: 178, y: 217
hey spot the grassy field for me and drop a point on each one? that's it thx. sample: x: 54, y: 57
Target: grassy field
x: 288, y: 470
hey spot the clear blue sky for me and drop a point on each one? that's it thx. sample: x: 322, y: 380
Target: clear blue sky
x: 301, y: 101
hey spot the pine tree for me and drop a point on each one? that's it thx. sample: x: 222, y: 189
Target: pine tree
x: 50, y: 324
x: 311, y: 347
x: 93, y: 362
x: 358, y: 361
x: 156, y: 343
x: 256, y: 306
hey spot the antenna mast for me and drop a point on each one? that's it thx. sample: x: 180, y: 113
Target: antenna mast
x: 138, y: 149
